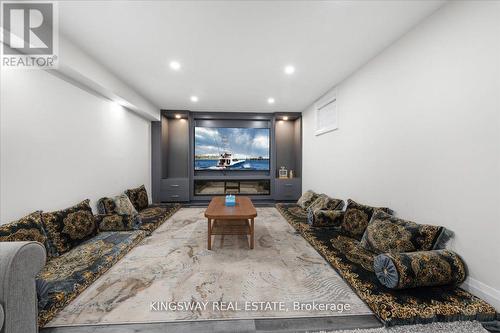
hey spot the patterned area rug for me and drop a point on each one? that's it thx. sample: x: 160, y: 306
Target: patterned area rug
x: 172, y: 276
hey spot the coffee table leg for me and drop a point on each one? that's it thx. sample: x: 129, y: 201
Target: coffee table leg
x: 209, y: 234
x: 252, y: 234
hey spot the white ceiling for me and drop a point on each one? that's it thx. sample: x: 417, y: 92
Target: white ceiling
x: 233, y: 52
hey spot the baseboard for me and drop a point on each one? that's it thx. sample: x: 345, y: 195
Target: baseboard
x: 484, y: 291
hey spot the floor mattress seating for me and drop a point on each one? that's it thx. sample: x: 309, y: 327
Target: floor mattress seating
x: 67, y: 275
x: 392, y: 307
x: 151, y: 215
x: 81, y: 246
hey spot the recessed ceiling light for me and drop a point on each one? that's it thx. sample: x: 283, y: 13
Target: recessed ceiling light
x: 289, y: 69
x: 285, y: 118
x: 175, y: 65
x: 178, y: 116
x: 270, y: 100
x: 194, y: 99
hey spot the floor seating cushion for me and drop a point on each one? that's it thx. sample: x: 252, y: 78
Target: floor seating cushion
x: 154, y: 215
x: 356, y: 218
x: 124, y: 205
x: 117, y: 222
x: 386, y: 233
x: 151, y: 216
x: 419, y: 269
x: 393, y: 307
x: 28, y: 228
x: 139, y: 197
x: 66, y: 276
x: 69, y: 227
x: 310, y: 202
x: 325, y: 218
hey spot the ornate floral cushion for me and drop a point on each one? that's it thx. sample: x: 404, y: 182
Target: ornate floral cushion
x: 28, y: 228
x: 356, y: 218
x: 124, y: 205
x: 323, y: 201
x: 139, y: 197
x: 106, y: 206
x: 419, y: 269
x: 386, y: 233
x: 307, y: 199
x: 69, y: 227
x: 324, y: 217
x: 117, y: 222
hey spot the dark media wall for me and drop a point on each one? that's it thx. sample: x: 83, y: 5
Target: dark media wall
x: 174, y: 178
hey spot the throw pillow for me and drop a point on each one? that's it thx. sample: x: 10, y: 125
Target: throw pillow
x: 69, y: 227
x: 139, y: 197
x: 28, y: 228
x: 324, y: 217
x: 324, y: 202
x: 124, y: 206
x: 307, y: 199
x: 386, y: 233
x: 106, y: 206
x: 356, y: 218
x: 117, y: 222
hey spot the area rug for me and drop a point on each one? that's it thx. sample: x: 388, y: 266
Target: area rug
x: 172, y: 276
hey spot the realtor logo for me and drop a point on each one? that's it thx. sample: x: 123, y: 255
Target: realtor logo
x: 29, y: 34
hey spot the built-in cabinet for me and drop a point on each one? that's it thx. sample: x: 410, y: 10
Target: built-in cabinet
x: 175, y: 180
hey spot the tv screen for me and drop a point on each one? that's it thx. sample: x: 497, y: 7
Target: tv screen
x: 217, y: 148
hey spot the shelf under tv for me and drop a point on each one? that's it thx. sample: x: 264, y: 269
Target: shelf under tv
x: 231, y: 177
x: 223, y: 186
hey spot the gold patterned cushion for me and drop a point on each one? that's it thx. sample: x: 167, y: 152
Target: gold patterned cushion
x: 307, y: 199
x: 386, y: 233
x: 356, y: 218
x: 124, y: 206
x: 117, y: 222
x: 106, y: 206
x: 28, y: 228
x: 419, y: 269
x: 324, y: 202
x: 139, y: 197
x: 69, y: 227
x: 324, y: 217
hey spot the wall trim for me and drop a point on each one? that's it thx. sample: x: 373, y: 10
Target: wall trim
x: 486, y: 292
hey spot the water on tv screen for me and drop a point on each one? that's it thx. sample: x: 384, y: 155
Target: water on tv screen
x: 217, y: 148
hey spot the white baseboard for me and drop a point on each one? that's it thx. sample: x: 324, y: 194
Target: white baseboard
x: 482, y: 290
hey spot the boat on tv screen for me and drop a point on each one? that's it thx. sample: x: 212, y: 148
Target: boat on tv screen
x: 231, y: 148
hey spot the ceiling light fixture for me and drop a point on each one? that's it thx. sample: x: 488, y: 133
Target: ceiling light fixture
x: 285, y: 118
x: 175, y: 65
x: 289, y: 70
x: 270, y: 100
x: 194, y: 99
x: 178, y: 116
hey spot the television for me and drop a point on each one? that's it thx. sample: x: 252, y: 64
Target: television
x: 226, y: 148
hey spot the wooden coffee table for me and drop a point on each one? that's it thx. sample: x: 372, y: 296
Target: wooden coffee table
x: 237, y: 220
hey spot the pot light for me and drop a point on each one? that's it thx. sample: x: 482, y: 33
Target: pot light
x: 270, y: 100
x: 194, y: 99
x: 178, y: 116
x: 285, y: 118
x: 175, y: 65
x: 289, y: 70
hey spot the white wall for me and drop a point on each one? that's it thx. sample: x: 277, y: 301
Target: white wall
x: 61, y: 144
x: 419, y: 131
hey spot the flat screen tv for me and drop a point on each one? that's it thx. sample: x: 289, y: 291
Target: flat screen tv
x: 224, y: 149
